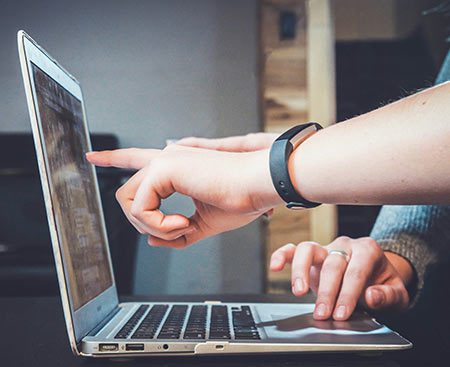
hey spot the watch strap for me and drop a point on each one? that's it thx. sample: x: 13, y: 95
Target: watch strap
x: 279, y: 156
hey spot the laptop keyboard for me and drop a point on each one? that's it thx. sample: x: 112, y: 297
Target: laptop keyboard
x: 198, y: 327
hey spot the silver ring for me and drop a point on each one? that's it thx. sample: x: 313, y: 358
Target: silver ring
x: 340, y: 253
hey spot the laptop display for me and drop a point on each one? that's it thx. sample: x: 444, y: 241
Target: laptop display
x: 73, y: 191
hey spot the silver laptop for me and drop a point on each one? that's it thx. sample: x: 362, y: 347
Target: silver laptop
x: 97, y: 324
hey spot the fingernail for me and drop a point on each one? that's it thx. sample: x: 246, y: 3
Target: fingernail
x: 377, y: 297
x: 340, y: 312
x: 321, y: 310
x: 299, y: 285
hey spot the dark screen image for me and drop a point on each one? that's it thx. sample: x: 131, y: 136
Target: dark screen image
x: 73, y: 191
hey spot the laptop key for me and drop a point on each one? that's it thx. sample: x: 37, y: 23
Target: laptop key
x: 219, y: 336
x: 196, y: 324
x: 125, y: 331
x: 244, y: 326
x: 151, y: 322
x: 171, y: 328
x: 194, y: 335
x: 219, y: 327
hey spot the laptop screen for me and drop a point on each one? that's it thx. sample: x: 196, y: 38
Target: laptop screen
x: 73, y: 191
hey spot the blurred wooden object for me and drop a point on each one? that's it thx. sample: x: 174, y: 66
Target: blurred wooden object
x: 298, y: 85
x: 322, y: 98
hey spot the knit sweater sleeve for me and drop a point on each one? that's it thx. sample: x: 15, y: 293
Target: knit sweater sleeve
x: 419, y: 233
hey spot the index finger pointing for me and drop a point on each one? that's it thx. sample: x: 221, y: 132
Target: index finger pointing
x: 133, y: 158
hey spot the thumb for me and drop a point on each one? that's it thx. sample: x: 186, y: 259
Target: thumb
x: 387, y: 296
x: 131, y: 158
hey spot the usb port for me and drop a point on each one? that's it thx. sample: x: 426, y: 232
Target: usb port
x: 134, y: 347
x: 109, y: 347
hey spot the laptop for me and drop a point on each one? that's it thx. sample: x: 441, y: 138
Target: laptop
x: 97, y: 324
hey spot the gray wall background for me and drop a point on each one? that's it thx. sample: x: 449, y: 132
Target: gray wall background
x: 153, y: 70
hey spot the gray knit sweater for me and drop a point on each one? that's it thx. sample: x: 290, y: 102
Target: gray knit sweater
x: 419, y: 233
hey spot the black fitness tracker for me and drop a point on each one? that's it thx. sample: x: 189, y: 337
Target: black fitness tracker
x: 279, y: 155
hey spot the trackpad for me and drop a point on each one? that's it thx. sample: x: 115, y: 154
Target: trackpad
x: 296, y: 321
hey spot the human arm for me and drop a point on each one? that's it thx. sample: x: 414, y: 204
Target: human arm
x: 397, y: 154
x: 228, y: 190
x: 390, y: 155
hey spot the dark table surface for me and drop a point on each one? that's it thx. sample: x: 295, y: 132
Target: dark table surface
x: 34, y: 334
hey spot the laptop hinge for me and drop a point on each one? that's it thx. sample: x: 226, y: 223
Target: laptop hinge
x: 102, y: 323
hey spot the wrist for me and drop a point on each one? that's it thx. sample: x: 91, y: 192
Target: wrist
x: 261, y: 190
x: 302, y: 171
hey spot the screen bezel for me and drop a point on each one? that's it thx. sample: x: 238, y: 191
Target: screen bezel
x: 81, y: 321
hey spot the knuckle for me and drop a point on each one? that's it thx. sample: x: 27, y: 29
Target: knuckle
x: 173, y: 147
x: 343, y: 239
x: 135, y: 212
x: 331, y: 265
x: 160, y: 165
x: 285, y: 251
x: 307, y: 245
x: 372, y: 248
x: 170, y: 147
x: 286, y: 248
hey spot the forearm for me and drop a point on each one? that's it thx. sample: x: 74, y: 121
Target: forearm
x: 397, y: 154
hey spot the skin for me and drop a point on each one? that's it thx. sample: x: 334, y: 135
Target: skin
x: 377, y: 279
x: 221, y: 204
x: 397, y: 154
